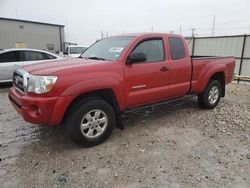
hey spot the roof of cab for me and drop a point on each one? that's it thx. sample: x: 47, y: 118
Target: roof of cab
x: 147, y: 34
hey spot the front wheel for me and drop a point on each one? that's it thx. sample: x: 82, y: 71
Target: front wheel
x: 90, y: 122
x: 211, y: 95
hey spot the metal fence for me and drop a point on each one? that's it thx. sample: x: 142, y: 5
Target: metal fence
x: 236, y: 45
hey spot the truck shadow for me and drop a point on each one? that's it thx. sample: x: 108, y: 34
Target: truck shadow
x: 54, y: 138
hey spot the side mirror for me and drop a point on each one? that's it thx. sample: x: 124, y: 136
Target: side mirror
x: 136, y: 58
x: 65, y: 53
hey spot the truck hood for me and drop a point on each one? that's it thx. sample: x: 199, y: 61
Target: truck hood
x: 48, y: 68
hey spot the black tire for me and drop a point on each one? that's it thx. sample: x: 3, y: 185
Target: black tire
x: 75, y: 117
x: 203, y: 98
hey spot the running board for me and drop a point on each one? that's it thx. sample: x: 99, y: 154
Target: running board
x: 150, y: 108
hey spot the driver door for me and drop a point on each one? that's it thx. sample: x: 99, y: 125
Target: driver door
x: 147, y: 81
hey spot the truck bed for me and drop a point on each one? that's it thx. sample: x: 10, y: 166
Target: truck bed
x: 201, y: 65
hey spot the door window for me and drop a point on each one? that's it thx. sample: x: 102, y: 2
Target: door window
x: 153, y: 49
x: 33, y: 56
x: 8, y: 57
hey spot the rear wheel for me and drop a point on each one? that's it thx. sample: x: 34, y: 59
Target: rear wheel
x: 211, y: 95
x: 90, y: 122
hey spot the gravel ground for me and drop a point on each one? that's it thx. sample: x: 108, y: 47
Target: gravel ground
x: 173, y: 146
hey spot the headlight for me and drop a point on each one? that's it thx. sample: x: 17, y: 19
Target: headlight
x: 41, y: 84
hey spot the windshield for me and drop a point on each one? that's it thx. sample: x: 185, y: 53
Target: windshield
x: 77, y: 50
x: 107, y: 49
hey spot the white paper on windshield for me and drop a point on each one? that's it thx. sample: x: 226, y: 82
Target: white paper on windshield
x: 116, y: 49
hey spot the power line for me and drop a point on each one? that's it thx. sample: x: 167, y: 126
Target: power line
x: 238, y: 21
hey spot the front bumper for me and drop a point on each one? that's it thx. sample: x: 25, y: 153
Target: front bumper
x: 40, y: 110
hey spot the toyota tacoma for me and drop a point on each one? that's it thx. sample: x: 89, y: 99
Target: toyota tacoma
x: 88, y: 94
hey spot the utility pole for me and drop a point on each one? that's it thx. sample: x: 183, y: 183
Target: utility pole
x: 180, y: 29
x: 193, y: 38
x: 193, y: 29
x: 213, y: 28
x: 67, y: 30
x: 102, y: 34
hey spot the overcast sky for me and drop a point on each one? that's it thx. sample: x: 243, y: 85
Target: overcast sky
x: 85, y: 19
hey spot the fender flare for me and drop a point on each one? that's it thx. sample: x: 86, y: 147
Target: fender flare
x: 98, y: 84
x: 206, y: 74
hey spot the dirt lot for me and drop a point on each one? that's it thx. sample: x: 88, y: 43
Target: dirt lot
x: 181, y: 146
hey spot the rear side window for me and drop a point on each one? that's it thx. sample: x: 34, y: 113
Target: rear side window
x: 8, y: 57
x: 153, y: 49
x: 33, y: 56
x: 177, y: 49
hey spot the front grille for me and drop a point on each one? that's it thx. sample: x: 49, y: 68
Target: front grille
x: 18, y: 81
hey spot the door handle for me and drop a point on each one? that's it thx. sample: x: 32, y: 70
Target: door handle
x: 163, y: 69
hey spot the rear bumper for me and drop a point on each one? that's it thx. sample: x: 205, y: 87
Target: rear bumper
x: 40, y: 110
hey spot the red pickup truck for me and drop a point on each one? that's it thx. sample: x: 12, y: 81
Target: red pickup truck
x: 116, y: 74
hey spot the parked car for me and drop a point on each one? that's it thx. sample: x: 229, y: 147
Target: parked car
x: 116, y: 74
x: 12, y: 59
x: 74, y: 51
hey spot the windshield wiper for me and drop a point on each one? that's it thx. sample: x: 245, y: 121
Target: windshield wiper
x: 97, y: 58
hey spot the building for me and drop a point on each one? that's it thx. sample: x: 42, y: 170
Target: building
x: 15, y: 33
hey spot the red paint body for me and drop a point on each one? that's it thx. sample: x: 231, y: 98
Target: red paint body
x: 79, y: 76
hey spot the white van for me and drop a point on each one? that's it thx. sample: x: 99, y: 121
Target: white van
x: 74, y: 51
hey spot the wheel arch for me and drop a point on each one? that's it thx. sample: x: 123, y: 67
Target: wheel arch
x: 105, y: 94
x: 215, y: 72
x: 220, y: 76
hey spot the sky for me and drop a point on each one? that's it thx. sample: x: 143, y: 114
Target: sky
x: 85, y: 20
